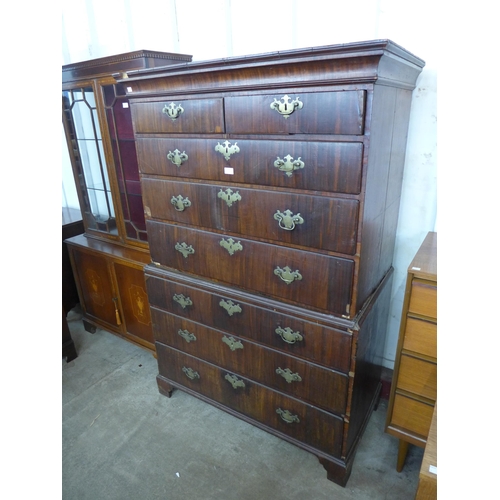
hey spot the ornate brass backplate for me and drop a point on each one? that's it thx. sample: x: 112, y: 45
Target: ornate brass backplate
x: 187, y: 336
x: 287, y: 275
x: 190, y: 373
x: 185, y: 249
x: 288, y: 375
x: 232, y: 343
x: 173, y: 110
x: 177, y: 158
x: 226, y: 149
x: 180, y: 203
x: 182, y: 300
x: 234, y: 381
x: 287, y: 220
x: 289, y: 165
x: 231, y: 246
x: 288, y: 335
x: 229, y: 196
x: 287, y: 416
x: 230, y: 306
x: 284, y: 107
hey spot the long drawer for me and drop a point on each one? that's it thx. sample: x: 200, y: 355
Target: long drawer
x: 305, y: 278
x: 312, y: 221
x: 317, y: 385
x: 318, y: 166
x: 340, y: 112
x: 224, y: 310
x: 273, y: 409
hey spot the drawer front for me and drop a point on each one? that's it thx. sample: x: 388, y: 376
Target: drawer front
x: 411, y: 415
x: 309, y: 279
x: 291, y: 219
x: 421, y: 337
x: 423, y: 299
x: 273, y: 409
x: 418, y: 377
x: 339, y: 112
x: 204, y: 116
x: 322, y: 387
x: 226, y: 312
x: 318, y: 166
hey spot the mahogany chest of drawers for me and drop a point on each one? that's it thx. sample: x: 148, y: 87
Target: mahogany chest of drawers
x: 271, y: 189
x: 414, y: 386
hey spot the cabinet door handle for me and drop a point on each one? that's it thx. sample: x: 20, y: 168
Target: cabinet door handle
x: 117, y: 312
x: 287, y: 416
x: 288, y: 335
x: 288, y: 375
x: 287, y: 220
x: 287, y: 275
x: 177, y: 158
x: 288, y: 164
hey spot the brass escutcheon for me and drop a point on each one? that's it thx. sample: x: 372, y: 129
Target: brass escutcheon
x: 234, y: 381
x: 288, y: 375
x: 287, y: 220
x: 190, y: 373
x: 288, y: 335
x: 287, y: 275
x: 229, y: 196
x: 173, y: 110
x: 187, y: 336
x: 231, y: 246
x: 180, y: 203
x: 184, y: 249
x: 230, y: 306
x: 232, y: 343
x: 289, y: 165
x: 177, y: 158
x: 182, y: 300
x: 284, y: 107
x: 226, y: 149
x: 287, y: 416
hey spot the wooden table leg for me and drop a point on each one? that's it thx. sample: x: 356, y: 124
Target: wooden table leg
x: 403, y: 449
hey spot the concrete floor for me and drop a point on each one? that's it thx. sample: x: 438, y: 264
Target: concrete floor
x: 122, y: 440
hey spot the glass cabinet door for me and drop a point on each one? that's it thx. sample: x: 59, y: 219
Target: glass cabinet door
x: 82, y: 125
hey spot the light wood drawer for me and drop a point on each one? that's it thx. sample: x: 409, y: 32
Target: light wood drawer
x: 421, y: 337
x: 418, y: 376
x: 423, y: 299
x: 411, y: 415
x: 198, y: 116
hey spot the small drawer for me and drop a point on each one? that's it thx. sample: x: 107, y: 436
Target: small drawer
x: 340, y: 112
x: 305, y: 278
x: 317, y: 166
x: 319, y: 386
x: 420, y: 337
x: 418, y: 377
x: 271, y: 324
x: 423, y: 298
x: 412, y: 416
x: 178, y: 116
x: 321, y: 222
x: 270, y: 408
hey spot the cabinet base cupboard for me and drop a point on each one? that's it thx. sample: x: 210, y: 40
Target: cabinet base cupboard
x: 271, y: 188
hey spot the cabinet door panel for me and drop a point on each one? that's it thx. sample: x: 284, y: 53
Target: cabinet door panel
x: 321, y: 113
x: 320, y: 386
x: 321, y: 166
x: 306, y: 278
x: 311, y: 221
x: 198, y: 116
x: 95, y: 284
x: 297, y: 337
x: 287, y: 415
x: 134, y: 300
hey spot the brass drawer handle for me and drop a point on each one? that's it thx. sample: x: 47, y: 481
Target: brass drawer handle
x: 287, y: 275
x: 288, y: 335
x: 180, y: 203
x: 177, y: 158
x: 230, y: 306
x: 288, y: 164
x: 173, y: 110
x: 226, y: 149
x: 287, y: 416
x: 231, y: 246
x: 232, y: 343
x: 288, y: 375
x: 229, y: 196
x: 182, y: 300
x: 184, y: 249
x: 287, y: 220
x: 234, y: 381
x: 190, y: 373
x: 187, y: 336
x: 284, y: 107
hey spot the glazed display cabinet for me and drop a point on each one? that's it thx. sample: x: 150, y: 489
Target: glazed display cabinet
x: 271, y: 186
x: 107, y: 260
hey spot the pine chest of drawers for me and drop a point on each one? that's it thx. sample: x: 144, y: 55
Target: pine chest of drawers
x: 271, y: 188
